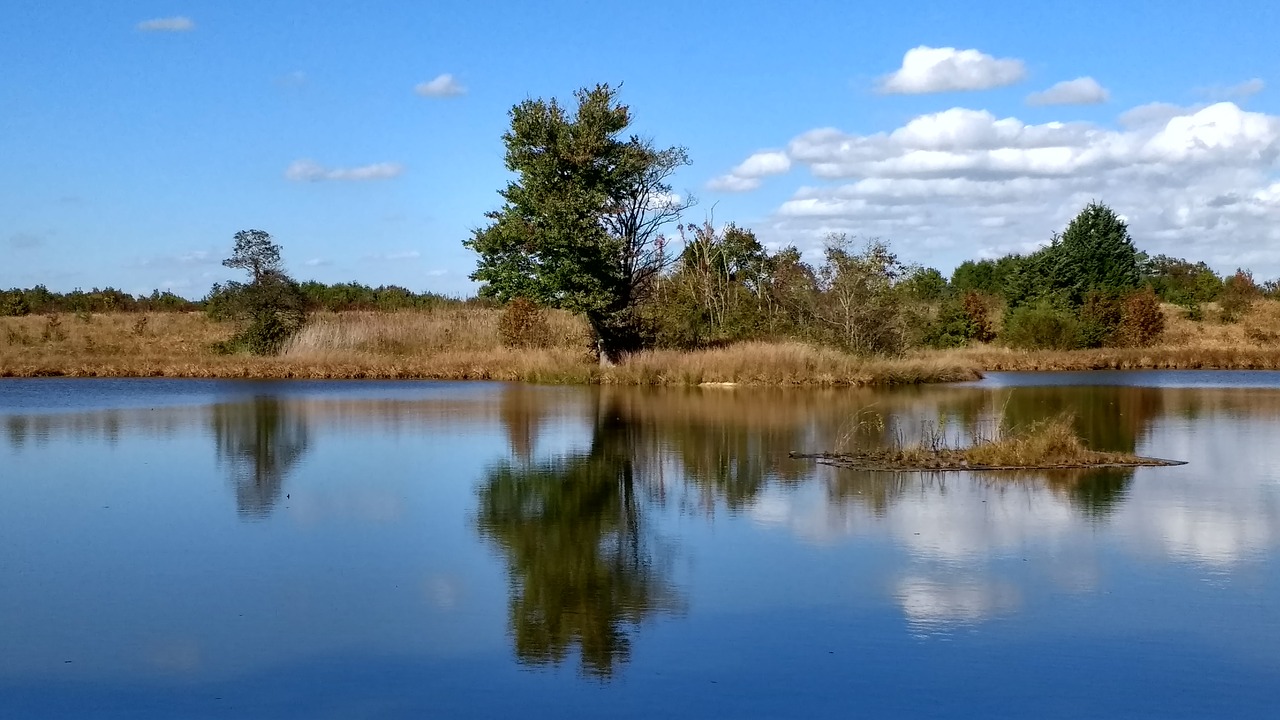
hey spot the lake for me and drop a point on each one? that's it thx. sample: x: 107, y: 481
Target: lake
x: 179, y: 548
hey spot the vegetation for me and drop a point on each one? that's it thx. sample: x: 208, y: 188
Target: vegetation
x: 1045, y: 444
x: 270, y: 308
x: 582, y: 233
x: 579, y: 225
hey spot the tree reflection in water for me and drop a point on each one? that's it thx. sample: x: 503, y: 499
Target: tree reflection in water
x: 261, y: 441
x: 583, y: 569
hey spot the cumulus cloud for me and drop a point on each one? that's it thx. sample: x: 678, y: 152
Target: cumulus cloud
x: 748, y: 174
x: 933, y: 70
x: 947, y: 186
x: 168, y: 24
x: 311, y: 171
x: 442, y: 86
x: 1081, y: 91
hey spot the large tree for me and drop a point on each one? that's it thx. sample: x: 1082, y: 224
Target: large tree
x: 580, y: 226
x: 1096, y: 253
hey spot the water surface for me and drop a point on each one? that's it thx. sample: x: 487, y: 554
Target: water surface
x: 176, y: 548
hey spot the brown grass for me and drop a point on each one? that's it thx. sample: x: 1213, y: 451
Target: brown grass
x: 465, y: 343
x: 453, y: 344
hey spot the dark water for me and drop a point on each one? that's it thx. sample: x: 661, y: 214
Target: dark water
x: 222, y: 549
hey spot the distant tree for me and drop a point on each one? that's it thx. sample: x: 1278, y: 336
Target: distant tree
x: 925, y: 284
x: 861, y: 306
x: 580, y: 224
x: 256, y: 253
x: 271, y: 306
x: 1095, y: 252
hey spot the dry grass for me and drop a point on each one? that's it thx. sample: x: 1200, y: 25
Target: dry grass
x: 1047, y: 444
x: 452, y: 343
x: 464, y: 343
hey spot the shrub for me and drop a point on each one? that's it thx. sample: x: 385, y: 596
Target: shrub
x: 951, y: 328
x: 12, y: 303
x: 524, y: 325
x: 1141, y: 322
x: 1100, y: 318
x: 977, y: 311
x: 1042, y: 326
x: 1238, y: 295
x: 53, y: 330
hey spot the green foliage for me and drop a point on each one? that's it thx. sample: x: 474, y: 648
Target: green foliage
x: 1096, y: 253
x: 861, y: 307
x: 255, y: 253
x: 1181, y: 282
x: 1100, y: 318
x: 1042, y: 325
x: 579, y: 226
x: 270, y: 308
x: 12, y: 303
x: 925, y: 285
x: 524, y: 325
x: 950, y: 327
x: 1239, y: 292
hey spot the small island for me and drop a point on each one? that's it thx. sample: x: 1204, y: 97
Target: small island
x: 1048, y: 445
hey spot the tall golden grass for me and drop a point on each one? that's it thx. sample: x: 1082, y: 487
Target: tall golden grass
x: 449, y: 343
x: 464, y: 343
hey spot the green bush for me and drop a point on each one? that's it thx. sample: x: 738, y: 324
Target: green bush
x: 1100, y: 318
x: 1042, y: 326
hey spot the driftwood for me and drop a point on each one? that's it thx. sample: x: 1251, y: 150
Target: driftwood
x: 940, y: 462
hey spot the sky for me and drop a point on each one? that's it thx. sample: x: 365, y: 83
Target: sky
x: 137, y: 137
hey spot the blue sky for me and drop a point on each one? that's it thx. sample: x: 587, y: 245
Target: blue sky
x: 137, y: 137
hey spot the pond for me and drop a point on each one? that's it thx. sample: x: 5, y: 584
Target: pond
x: 176, y: 548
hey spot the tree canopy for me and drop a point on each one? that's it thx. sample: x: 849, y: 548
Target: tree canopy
x: 580, y: 224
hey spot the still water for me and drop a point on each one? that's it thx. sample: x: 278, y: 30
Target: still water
x: 244, y: 549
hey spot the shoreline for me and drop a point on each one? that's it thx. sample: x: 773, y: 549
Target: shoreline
x: 708, y: 369
x: 465, y: 344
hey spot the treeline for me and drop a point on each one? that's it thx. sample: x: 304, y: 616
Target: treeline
x: 1089, y: 287
x: 336, y: 297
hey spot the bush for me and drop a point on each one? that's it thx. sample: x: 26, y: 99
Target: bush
x: 950, y: 328
x: 1042, y: 326
x: 977, y: 311
x: 524, y: 325
x: 1100, y: 318
x: 1141, y: 321
x: 1238, y: 295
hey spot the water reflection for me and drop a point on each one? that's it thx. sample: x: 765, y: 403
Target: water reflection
x: 584, y: 566
x: 260, y: 442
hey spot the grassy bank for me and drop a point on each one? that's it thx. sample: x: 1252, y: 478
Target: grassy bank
x: 464, y: 344
x: 452, y: 344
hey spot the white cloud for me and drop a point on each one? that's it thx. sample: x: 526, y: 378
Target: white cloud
x: 317, y: 262
x: 947, y: 186
x: 933, y: 70
x: 747, y: 175
x: 311, y: 171
x: 441, y: 86
x: 169, y: 24
x: 1081, y: 91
